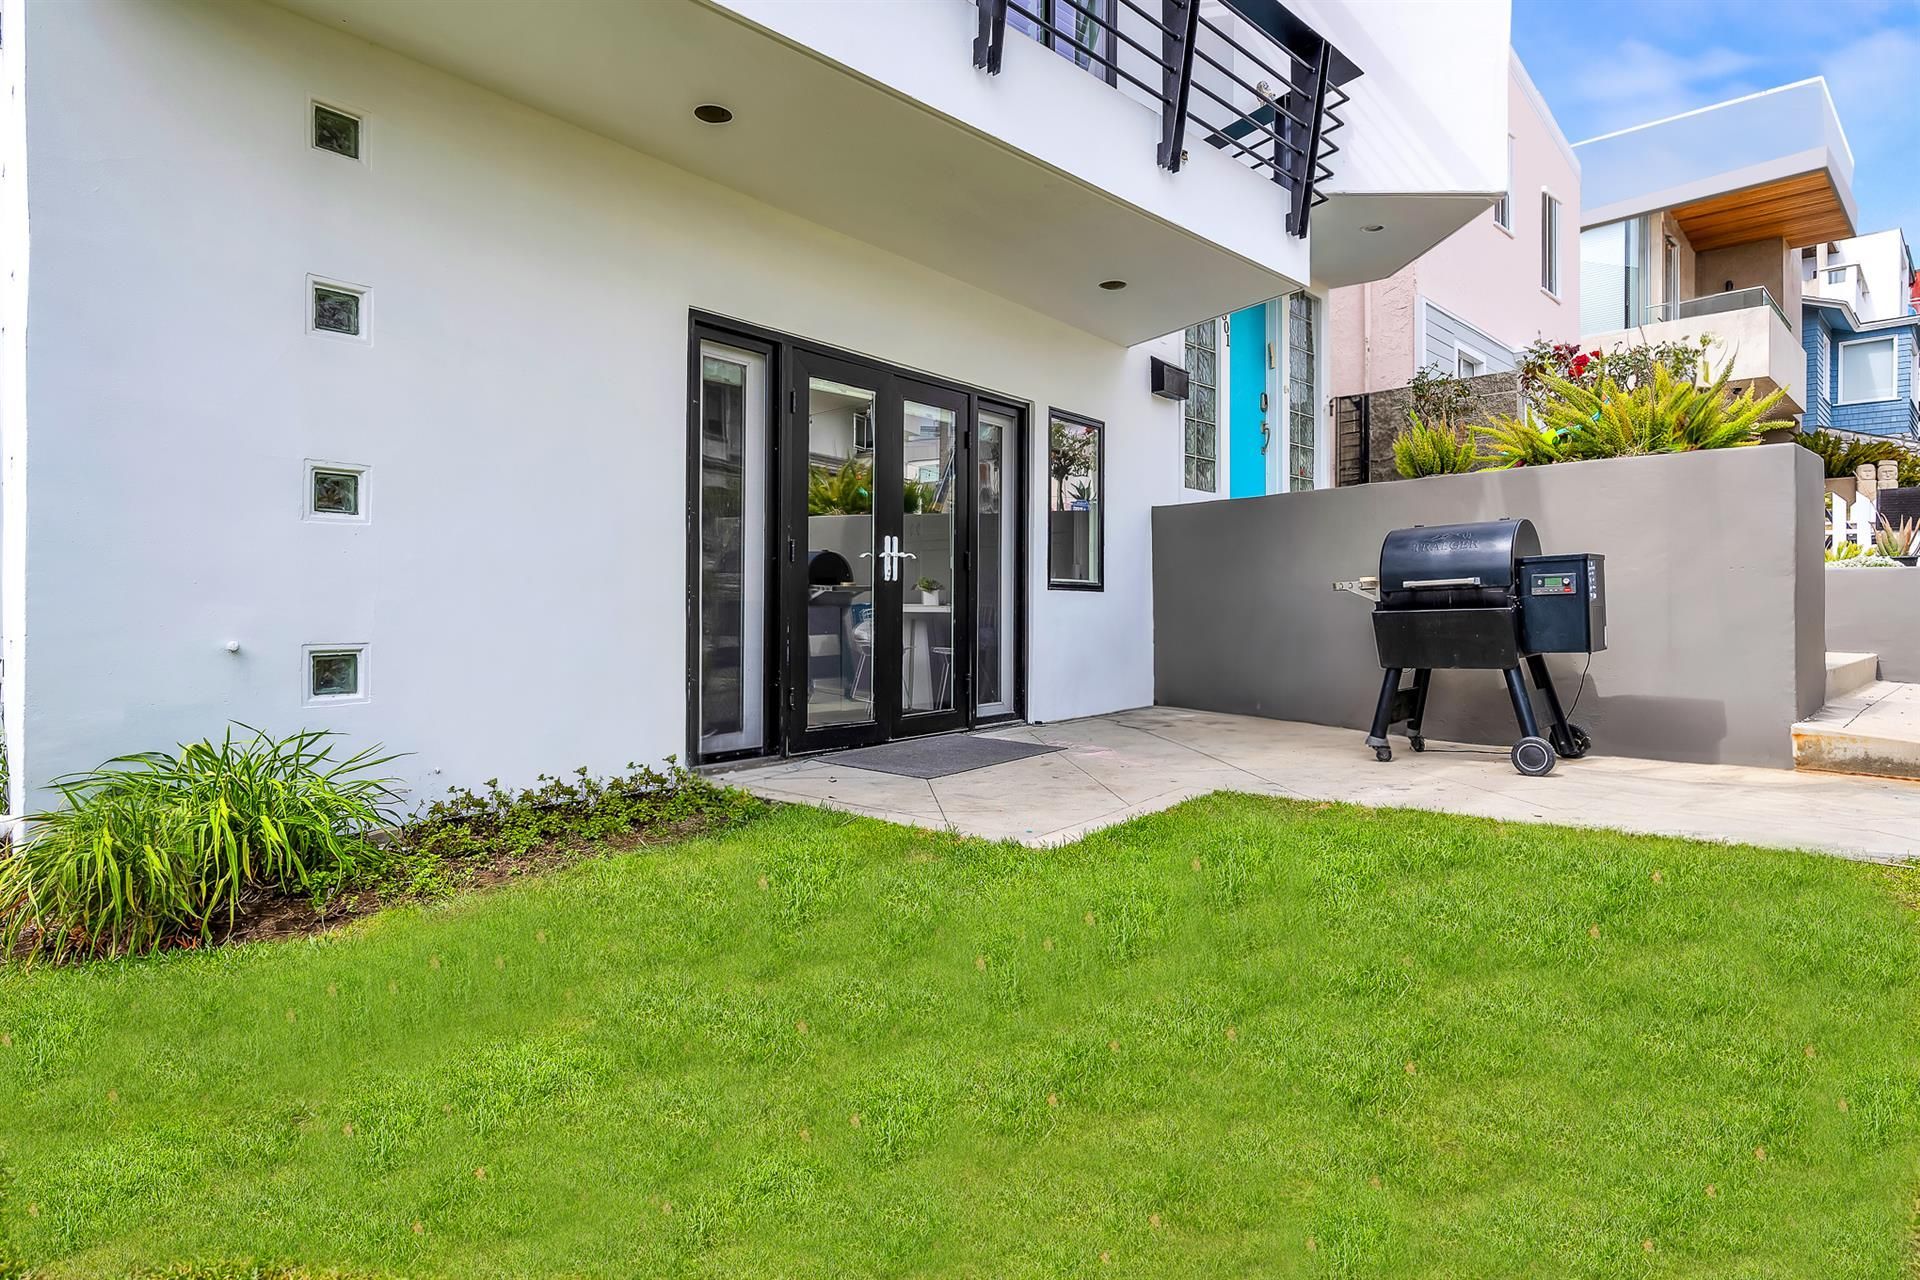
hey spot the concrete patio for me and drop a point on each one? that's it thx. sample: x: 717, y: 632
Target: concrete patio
x: 1118, y: 766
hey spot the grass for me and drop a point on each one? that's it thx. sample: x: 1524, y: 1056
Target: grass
x: 1243, y: 1037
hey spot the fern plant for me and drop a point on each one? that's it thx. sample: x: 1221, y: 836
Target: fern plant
x: 845, y: 490
x: 1841, y: 456
x: 1664, y: 413
x: 1436, y: 450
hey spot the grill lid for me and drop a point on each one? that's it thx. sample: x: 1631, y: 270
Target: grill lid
x: 1455, y: 556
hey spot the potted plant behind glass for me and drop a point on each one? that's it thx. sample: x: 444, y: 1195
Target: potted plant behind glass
x: 932, y: 592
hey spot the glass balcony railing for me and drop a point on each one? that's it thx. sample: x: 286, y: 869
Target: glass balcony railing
x: 1714, y: 304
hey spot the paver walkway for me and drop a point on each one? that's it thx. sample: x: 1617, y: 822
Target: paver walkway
x: 1132, y: 762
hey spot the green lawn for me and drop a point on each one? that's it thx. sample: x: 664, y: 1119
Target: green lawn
x: 1244, y: 1037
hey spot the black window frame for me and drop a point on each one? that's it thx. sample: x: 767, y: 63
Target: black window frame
x: 1098, y: 582
x: 1105, y: 64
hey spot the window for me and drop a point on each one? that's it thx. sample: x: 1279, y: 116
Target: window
x: 1073, y: 27
x: 1503, y: 207
x: 1549, y: 244
x: 336, y: 131
x: 1075, y: 472
x: 337, y: 309
x: 1202, y: 407
x: 336, y: 673
x: 730, y: 565
x: 1867, y: 370
x: 1615, y: 261
x: 1836, y: 275
x: 1302, y: 404
x: 1467, y: 364
x: 336, y: 492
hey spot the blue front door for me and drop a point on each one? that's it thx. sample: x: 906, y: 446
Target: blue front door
x: 1247, y: 435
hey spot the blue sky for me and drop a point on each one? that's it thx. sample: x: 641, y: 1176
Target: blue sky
x: 1606, y: 64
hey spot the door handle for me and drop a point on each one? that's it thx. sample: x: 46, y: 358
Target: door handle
x: 1266, y: 435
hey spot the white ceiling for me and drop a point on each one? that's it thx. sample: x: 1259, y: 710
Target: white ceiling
x: 813, y: 139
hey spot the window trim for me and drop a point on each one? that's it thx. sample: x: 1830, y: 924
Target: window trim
x: 1462, y: 351
x: 1503, y: 207
x: 1099, y: 580
x: 1550, y: 207
x: 1840, y: 370
x: 363, y: 674
x: 363, y: 493
x: 363, y: 292
x: 359, y: 118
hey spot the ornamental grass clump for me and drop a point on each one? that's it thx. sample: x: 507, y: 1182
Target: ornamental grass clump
x: 157, y: 848
x: 1662, y: 413
x: 1437, y: 450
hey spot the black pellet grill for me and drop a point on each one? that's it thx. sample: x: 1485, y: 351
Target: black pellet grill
x: 1482, y: 597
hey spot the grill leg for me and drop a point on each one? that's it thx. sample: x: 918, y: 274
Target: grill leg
x: 1383, y: 714
x: 1543, y: 679
x: 1422, y: 678
x: 1570, y: 740
x: 1522, y: 704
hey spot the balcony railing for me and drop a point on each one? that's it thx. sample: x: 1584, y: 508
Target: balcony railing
x: 1265, y: 88
x: 1714, y: 304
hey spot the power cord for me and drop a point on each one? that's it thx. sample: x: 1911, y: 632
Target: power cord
x: 1582, y: 689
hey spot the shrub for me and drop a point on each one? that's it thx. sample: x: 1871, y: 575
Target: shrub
x: 1628, y: 366
x: 1662, y: 414
x: 1438, y: 396
x: 1437, y: 450
x: 1841, y: 456
x: 157, y: 847
x: 469, y: 824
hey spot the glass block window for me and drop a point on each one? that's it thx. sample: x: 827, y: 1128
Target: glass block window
x: 336, y: 131
x: 335, y: 492
x: 333, y: 673
x: 336, y: 310
x: 1302, y: 419
x: 1203, y: 407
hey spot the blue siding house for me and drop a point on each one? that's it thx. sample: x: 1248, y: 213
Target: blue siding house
x: 1861, y: 375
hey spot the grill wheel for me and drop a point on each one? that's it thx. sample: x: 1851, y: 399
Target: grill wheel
x: 1533, y: 757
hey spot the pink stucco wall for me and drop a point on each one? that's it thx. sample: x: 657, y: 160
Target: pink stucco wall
x: 1482, y: 274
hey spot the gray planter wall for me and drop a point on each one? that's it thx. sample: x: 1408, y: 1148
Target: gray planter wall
x: 1876, y: 611
x: 1715, y: 601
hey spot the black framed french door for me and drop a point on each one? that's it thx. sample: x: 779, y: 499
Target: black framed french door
x: 878, y: 603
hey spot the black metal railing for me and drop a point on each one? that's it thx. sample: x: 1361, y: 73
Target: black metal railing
x: 1273, y: 108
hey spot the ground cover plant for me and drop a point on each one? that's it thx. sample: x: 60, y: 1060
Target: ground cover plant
x: 1243, y: 1037
x: 263, y: 837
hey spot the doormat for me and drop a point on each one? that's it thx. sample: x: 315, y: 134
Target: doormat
x: 937, y: 757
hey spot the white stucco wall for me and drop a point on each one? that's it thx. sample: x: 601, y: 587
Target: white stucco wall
x: 14, y: 242
x: 521, y: 405
x: 1483, y: 274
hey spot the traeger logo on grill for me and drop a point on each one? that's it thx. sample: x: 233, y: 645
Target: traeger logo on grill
x: 1434, y: 543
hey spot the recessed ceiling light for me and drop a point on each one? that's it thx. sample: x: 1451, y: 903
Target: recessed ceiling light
x: 1373, y: 226
x: 1112, y: 285
x: 712, y: 113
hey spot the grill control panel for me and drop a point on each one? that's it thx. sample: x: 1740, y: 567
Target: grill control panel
x: 1563, y: 604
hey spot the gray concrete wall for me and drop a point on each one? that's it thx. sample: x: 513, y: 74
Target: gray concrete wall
x: 1715, y: 601
x: 1876, y: 611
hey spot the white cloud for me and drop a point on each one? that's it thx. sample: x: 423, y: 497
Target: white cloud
x: 1873, y: 86
x: 1636, y: 82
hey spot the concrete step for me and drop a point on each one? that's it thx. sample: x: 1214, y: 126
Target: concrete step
x: 1875, y: 729
x: 1849, y: 671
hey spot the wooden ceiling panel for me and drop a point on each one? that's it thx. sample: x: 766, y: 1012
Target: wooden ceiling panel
x: 1802, y: 210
